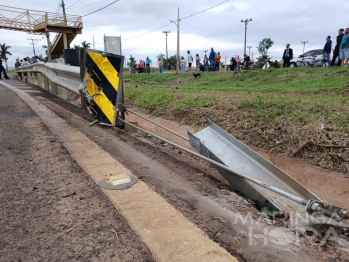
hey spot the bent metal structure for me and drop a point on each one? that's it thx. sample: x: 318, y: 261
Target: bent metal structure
x: 247, y: 171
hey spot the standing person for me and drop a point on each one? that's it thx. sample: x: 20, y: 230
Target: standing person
x: 160, y: 64
x: 2, y: 70
x: 198, y: 59
x: 287, y: 56
x: 147, y: 64
x: 344, y: 49
x: 141, y: 67
x: 238, y: 59
x: 246, y: 60
x: 25, y: 63
x: 327, y: 50
x: 337, y: 47
x: 18, y: 64
x: 190, y: 60
x: 206, y: 62
x: 217, y: 60
x: 211, y: 58
x: 182, y: 64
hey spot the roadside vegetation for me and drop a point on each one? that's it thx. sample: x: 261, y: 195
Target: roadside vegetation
x: 301, y: 112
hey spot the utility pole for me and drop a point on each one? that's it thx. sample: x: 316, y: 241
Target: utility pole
x: 304, y: 42
x: 249, y: 50
x: 177, y: 24
x: 166, y: 32
x: 93, y: 42
x: 34, y: 41
x: 48, y: 46
x: 65, y: 41
x: 246, y: 23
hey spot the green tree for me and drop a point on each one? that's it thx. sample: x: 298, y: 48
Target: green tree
x: 161, y: 56
x: 85, y: 44
x: 132, y: 61
x: 4, y: 51
x: 171, y: 61
x: 263, y: 48
x: 76, y: 47
x: 46, y: 48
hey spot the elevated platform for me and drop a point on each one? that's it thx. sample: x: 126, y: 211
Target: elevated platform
x: 39, y: 22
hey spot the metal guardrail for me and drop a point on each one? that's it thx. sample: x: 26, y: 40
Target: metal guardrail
x: 67, y: 77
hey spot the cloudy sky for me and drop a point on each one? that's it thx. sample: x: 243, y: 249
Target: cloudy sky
x: 284, y: 22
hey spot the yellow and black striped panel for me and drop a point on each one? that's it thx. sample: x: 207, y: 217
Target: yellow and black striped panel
x: 102, y: 83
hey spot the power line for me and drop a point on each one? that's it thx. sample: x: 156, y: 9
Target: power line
x: 147, y: 32
x: 204, y: 10
x: 180, y: 19
x: 88, y: 5
x: 101, y: 8
x: 74, y: 4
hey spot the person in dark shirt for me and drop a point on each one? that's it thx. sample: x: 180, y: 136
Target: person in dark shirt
x: 246, y: 60
x: 287, y: 56
x: 337, y: 47
x: 327, y: 50
x: 2, y: 70
x: 211, y: 58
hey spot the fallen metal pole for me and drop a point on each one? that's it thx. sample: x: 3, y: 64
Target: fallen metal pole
x: 255, y: 181
x: 164, y: 127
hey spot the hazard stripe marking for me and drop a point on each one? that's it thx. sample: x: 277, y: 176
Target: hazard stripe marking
x: 106, y: 67
x: 100, y: 99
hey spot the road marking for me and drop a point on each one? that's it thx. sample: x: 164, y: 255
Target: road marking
x: 167, y: 233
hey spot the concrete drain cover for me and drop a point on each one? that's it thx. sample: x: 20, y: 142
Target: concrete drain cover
x: 118, y: 182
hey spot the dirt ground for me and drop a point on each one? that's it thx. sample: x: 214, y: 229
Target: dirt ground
x: 189, y: 184
x: 36, y: 222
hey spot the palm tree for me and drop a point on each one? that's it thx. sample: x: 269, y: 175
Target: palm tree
x: 161, y: 56
x: 85, y: 44
x: 76, y: 47
x: 3, y: 52
x: 46, y: 48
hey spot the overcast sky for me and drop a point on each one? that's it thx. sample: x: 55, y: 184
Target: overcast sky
x: 283, y: 21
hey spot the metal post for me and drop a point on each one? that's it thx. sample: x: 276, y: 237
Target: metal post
x: 39, y: 78
x: 249, y: 50
x: 33, y: 43
x: 64, y: 94
x: 304, y: 42
x: 166, y: 32
x: 65, y: 41
x: 54, y: 88
x: 46, y: 83
x: 246, y: 23
x: 178, y: 62
x: 94, y: 47
x: 48, y: 46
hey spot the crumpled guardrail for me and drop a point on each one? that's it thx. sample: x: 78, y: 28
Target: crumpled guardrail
x: 67, y: 77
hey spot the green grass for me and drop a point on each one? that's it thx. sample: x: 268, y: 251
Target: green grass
x: 270, y: 96
x: 276, y: 109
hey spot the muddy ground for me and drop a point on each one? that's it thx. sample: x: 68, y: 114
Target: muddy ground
x: 193, y: 187
x: 36, y: 222
x: 189, y: 184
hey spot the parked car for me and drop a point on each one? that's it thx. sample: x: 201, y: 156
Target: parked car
x: 308, y: 56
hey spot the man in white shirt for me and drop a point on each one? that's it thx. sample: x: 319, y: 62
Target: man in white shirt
x: 190, y: 60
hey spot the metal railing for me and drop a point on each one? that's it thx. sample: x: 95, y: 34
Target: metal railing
x: 30, y: 21
x: 67, y: 77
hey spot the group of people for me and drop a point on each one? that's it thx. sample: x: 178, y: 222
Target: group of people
x: 236, y: 62
x: 28, y: 61
x: 144, y: 66
x: 212, y: 62
x: 340, y: 51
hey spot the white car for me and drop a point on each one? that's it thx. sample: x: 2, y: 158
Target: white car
x: 308, y: 57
